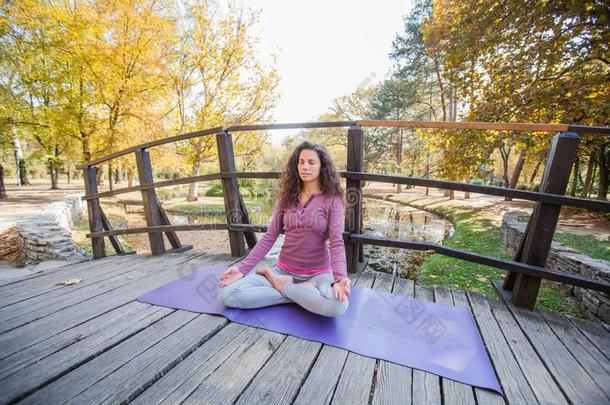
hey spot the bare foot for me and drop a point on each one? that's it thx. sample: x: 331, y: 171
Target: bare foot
x: 278, y: 281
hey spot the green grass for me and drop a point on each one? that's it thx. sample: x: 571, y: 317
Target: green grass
x: 474, y: 231
x: 199, y: 208
x: 585, y: 244
x: 81, y: 228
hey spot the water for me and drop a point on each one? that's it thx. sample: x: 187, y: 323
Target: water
x: 387, y: 219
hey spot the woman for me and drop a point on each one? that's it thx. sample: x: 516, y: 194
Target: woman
x: 308, y: 272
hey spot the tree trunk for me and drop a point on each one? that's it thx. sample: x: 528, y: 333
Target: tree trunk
x: 117, y: 173
x: 505, y: 155
x: 53, y: 173
x: 3, y: 195
x: 535, y: 172
x: 575, y: 176
x: 85, y: 147
x: 100, y: 176
x: 427, y: 169
x: 399, y: 157
x: 588, y: 177
x: 129, y: 177
x: 593, y: 180
x: 517, y: 172
x: 23, y: 173
x: 441, y: 88
x: 54, y: 166
x: 20, y: 161
x: 194, y: 187
x: 603, y: 158
x: 110, y: 174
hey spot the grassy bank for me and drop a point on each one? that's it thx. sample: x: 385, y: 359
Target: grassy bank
x: 477, y: 232
x: 211, y: 205
x: 585, y: 244
x: 117, y: 219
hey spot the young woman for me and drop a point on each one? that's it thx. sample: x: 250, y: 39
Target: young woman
x: 309, y: 271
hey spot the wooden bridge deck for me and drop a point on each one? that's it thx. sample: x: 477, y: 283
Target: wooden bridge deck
x: 92, y: 342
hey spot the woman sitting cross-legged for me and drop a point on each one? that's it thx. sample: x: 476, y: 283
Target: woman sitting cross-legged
x: 310, y: 271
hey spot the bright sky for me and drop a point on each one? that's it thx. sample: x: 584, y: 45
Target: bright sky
x: 326, y: 49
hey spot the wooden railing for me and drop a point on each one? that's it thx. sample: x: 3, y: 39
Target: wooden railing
x: 524, y: 272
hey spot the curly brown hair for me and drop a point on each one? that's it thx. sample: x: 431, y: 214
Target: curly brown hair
x: 290, y: 181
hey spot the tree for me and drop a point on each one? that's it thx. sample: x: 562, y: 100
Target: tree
x: 219, y: 81
x: 545, y: 62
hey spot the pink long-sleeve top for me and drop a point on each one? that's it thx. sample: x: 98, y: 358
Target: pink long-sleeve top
x: 307, y: 229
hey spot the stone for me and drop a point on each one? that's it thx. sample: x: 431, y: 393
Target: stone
x: 568, y: 260
x: 603, y: 311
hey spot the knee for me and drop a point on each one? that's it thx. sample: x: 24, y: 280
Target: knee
x: 228, y: 296
x: 337, y: 308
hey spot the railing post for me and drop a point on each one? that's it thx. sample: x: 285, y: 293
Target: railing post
x: 94, y: 211
x: 536, y: 241
x: 230, y: 192
x: 149, y: 198
x: 353, y: 208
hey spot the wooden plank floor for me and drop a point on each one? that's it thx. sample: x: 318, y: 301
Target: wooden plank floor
x: 92, y: 342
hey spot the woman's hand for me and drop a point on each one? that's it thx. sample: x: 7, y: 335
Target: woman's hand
x: 341, y: 289
x: 229, y: 276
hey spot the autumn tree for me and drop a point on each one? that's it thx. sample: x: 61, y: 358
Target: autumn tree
x: 540, y: 62
x: 219, y: 80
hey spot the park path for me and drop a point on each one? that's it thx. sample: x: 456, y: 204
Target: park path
x: 24, y: 201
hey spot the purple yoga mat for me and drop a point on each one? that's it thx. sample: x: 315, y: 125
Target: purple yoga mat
x: 437, y: 338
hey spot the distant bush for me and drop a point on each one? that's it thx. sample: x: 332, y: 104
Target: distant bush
x: 254, y: 192
x: 214, y: 191
x: 246, y: 191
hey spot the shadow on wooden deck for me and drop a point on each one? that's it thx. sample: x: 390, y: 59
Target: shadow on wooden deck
x: 92, y: 342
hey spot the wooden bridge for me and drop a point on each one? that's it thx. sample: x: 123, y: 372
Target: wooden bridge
x: 92, y: 342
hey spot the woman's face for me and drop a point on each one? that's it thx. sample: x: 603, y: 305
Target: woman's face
x: 309, y: 165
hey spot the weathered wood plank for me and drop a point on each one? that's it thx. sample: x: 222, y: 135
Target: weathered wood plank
x: 38, y: 374
x: 41, y: 350
x: 529, y: 373
x: 122, y: 372
x: 516, y: 367
x: 226, y: 383
x: 278, y: 382
x: 179, y: 382
x: 79, y: 379
x: 595, y: 332
x: 543, y: 220
x: 94, y: 211
x: 354, y: 385
x: 590, y: 358
x: 353, y: 208
x: 426, y: 386
x: 453, y: 392
x: 28, y: 276
x: 484, y: 396
x: 326, y: 371
x: 576, y: 384
x: 393, y: 383
x: 149, y: 199
x: 159, y: 272
x: 230, y: 192
x: 32, y: 286
x: 61, y: 297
